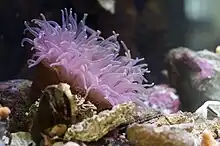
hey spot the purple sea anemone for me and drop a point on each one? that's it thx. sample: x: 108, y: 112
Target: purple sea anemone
x: 163, y: 98
x: 86, y: 61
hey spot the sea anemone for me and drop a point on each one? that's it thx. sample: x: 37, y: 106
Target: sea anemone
x: 163, y: 98
x: 87, y: 61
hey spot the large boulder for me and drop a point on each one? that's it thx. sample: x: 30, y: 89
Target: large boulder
x: 195, y: 75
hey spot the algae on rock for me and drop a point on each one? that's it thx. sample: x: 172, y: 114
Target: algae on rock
x: 94, y: 128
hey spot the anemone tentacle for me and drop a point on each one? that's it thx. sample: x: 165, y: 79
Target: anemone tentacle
x: 86, y: 59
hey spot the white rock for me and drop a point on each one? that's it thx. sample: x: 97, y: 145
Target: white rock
x: 209, y: 110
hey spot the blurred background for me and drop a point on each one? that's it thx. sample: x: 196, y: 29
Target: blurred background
x: 150, y: 28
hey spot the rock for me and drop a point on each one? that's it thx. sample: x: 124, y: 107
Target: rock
x: 195, y: 75
x: 5, y: 136
x: 14, y: 94
x: 150, y: 135
x: 209, y: 110
x: 94, y: 128
x: 175, y: 119
x: 68, y: 144
x: 191, y: 122
x: 22, y: 139
x: 112, y: 141
x: 182, y: 128
x: 142, y: 115
x: 71, y: 144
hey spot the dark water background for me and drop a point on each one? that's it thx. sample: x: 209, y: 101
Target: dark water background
x: 150, y: 28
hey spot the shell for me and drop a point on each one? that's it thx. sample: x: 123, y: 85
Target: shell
x: 58, y: 105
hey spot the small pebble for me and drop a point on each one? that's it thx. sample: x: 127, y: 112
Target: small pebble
x: 208, y: 140
x: 4, y: 112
